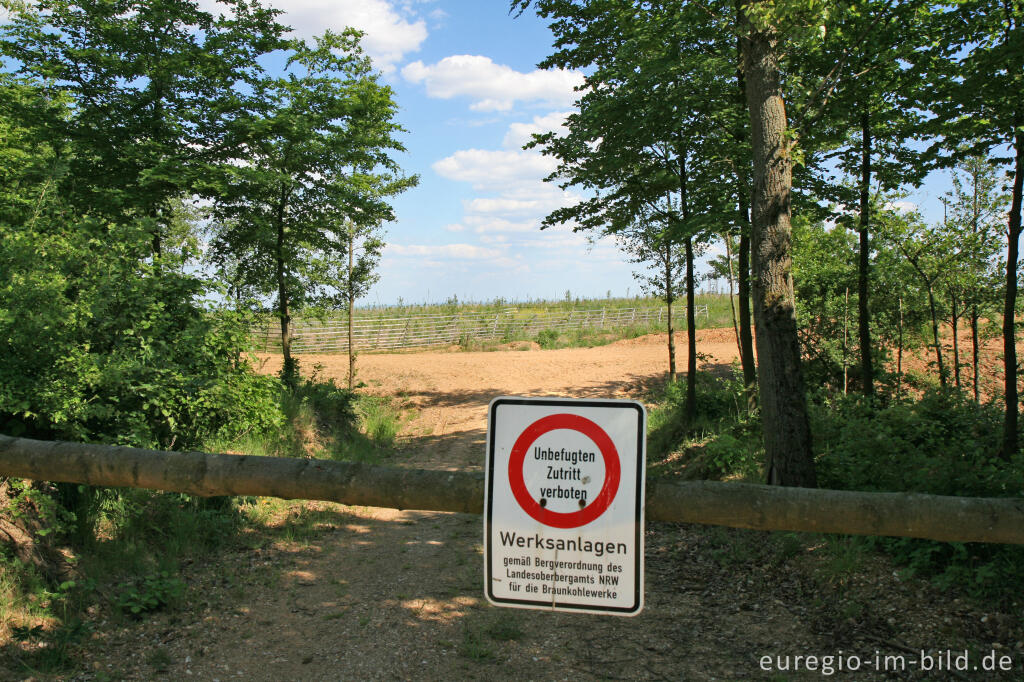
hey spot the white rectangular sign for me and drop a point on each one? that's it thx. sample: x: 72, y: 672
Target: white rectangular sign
x: 564, y: 504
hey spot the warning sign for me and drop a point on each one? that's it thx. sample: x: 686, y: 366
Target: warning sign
x: 564, y: 508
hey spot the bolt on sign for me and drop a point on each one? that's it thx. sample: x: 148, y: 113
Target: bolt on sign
x: 564, y: 505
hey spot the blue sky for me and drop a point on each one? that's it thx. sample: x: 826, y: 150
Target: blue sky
x: 465, y: 78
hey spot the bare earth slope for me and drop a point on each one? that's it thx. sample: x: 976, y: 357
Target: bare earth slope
x: 447, y: 393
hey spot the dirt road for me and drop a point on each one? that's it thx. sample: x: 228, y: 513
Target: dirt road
x: 333, y: 592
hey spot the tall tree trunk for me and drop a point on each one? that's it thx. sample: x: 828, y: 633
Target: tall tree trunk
x: 935, y: 335
x: 974, y: 351
x: 1013, y: 229
x: 351, y: 310
x: 899, y: 354
x: 691, y: 325
x: 288, y: 369
x: 742, y: 199
x: 956, y: 341
x: 787, y: 433
x: 732, y: 292
x: 691, y: 338
x: 846, y: 341
x: 743, y: 293
x: 669, y: 300
x: 863, y: 265
x: 975, y: 220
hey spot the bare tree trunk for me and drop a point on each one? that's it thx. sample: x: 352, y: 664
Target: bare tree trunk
x: 742, y: 199
x: 974, y: 351
x: 950, y: 519
x: 956, y: 341
x: 669, y: 300
x: 864, y: 264
x: 787, y: 433
x: 288, y: 369
x: 351, y: 309
x: 846, y: 339
x: 1013, y: 229
x: 691, y: 338
x: 732, y: 297
x: 690, y: 412
x: 743, y: 294
x: 935, y: 335
x: 899, y: 353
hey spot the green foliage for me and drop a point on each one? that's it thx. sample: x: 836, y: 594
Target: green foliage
x: 942, y: 444
x: 547, y: 338
x: 825, y: 272
x: 732, y: 456
x: 314, y: 184
x: 37, y: 505
x: 723, y: 436
x: 380, y: 420
x: 103, y: 342
x: 153, y: 592
x: 120, y: 352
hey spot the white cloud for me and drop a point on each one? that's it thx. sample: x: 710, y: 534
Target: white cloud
x: 391, y: 31
x: 493, y: 87
x: 901, y: 206
x: 494, y: 169
x: 520, y: 133
x: 547, y: 199
x: 491, y: 224
x: 457, y: 251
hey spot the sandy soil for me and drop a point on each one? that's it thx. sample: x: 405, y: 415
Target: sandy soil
x: 446, y: 393
x: 333, y: 592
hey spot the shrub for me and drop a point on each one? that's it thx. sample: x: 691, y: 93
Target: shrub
x: 547, y: 338
x: 942, y: 444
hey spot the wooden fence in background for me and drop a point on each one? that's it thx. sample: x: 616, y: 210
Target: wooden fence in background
x: 384, y: 332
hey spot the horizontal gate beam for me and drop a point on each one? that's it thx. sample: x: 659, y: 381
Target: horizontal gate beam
x: 740, y: 505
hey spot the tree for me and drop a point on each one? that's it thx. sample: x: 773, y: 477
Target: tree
x: 655, y: 247
x: 723, y: 266
x: 976, y: 207
x: 644, y: 142
x: 152, y: 87
x: 787, y: 432
x: 975, y: 66
x: 301, y: 181
x: 871, y: 114
x: 365, y: 241
x: 935, y: 253
x: 96, y: 344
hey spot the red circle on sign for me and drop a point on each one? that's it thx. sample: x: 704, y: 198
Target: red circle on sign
x: 603, y: 442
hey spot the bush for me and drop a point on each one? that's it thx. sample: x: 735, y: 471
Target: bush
x: 547, y: 339
x: 727, y: 437
x: 942, y: 444
x: 102, y: 347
